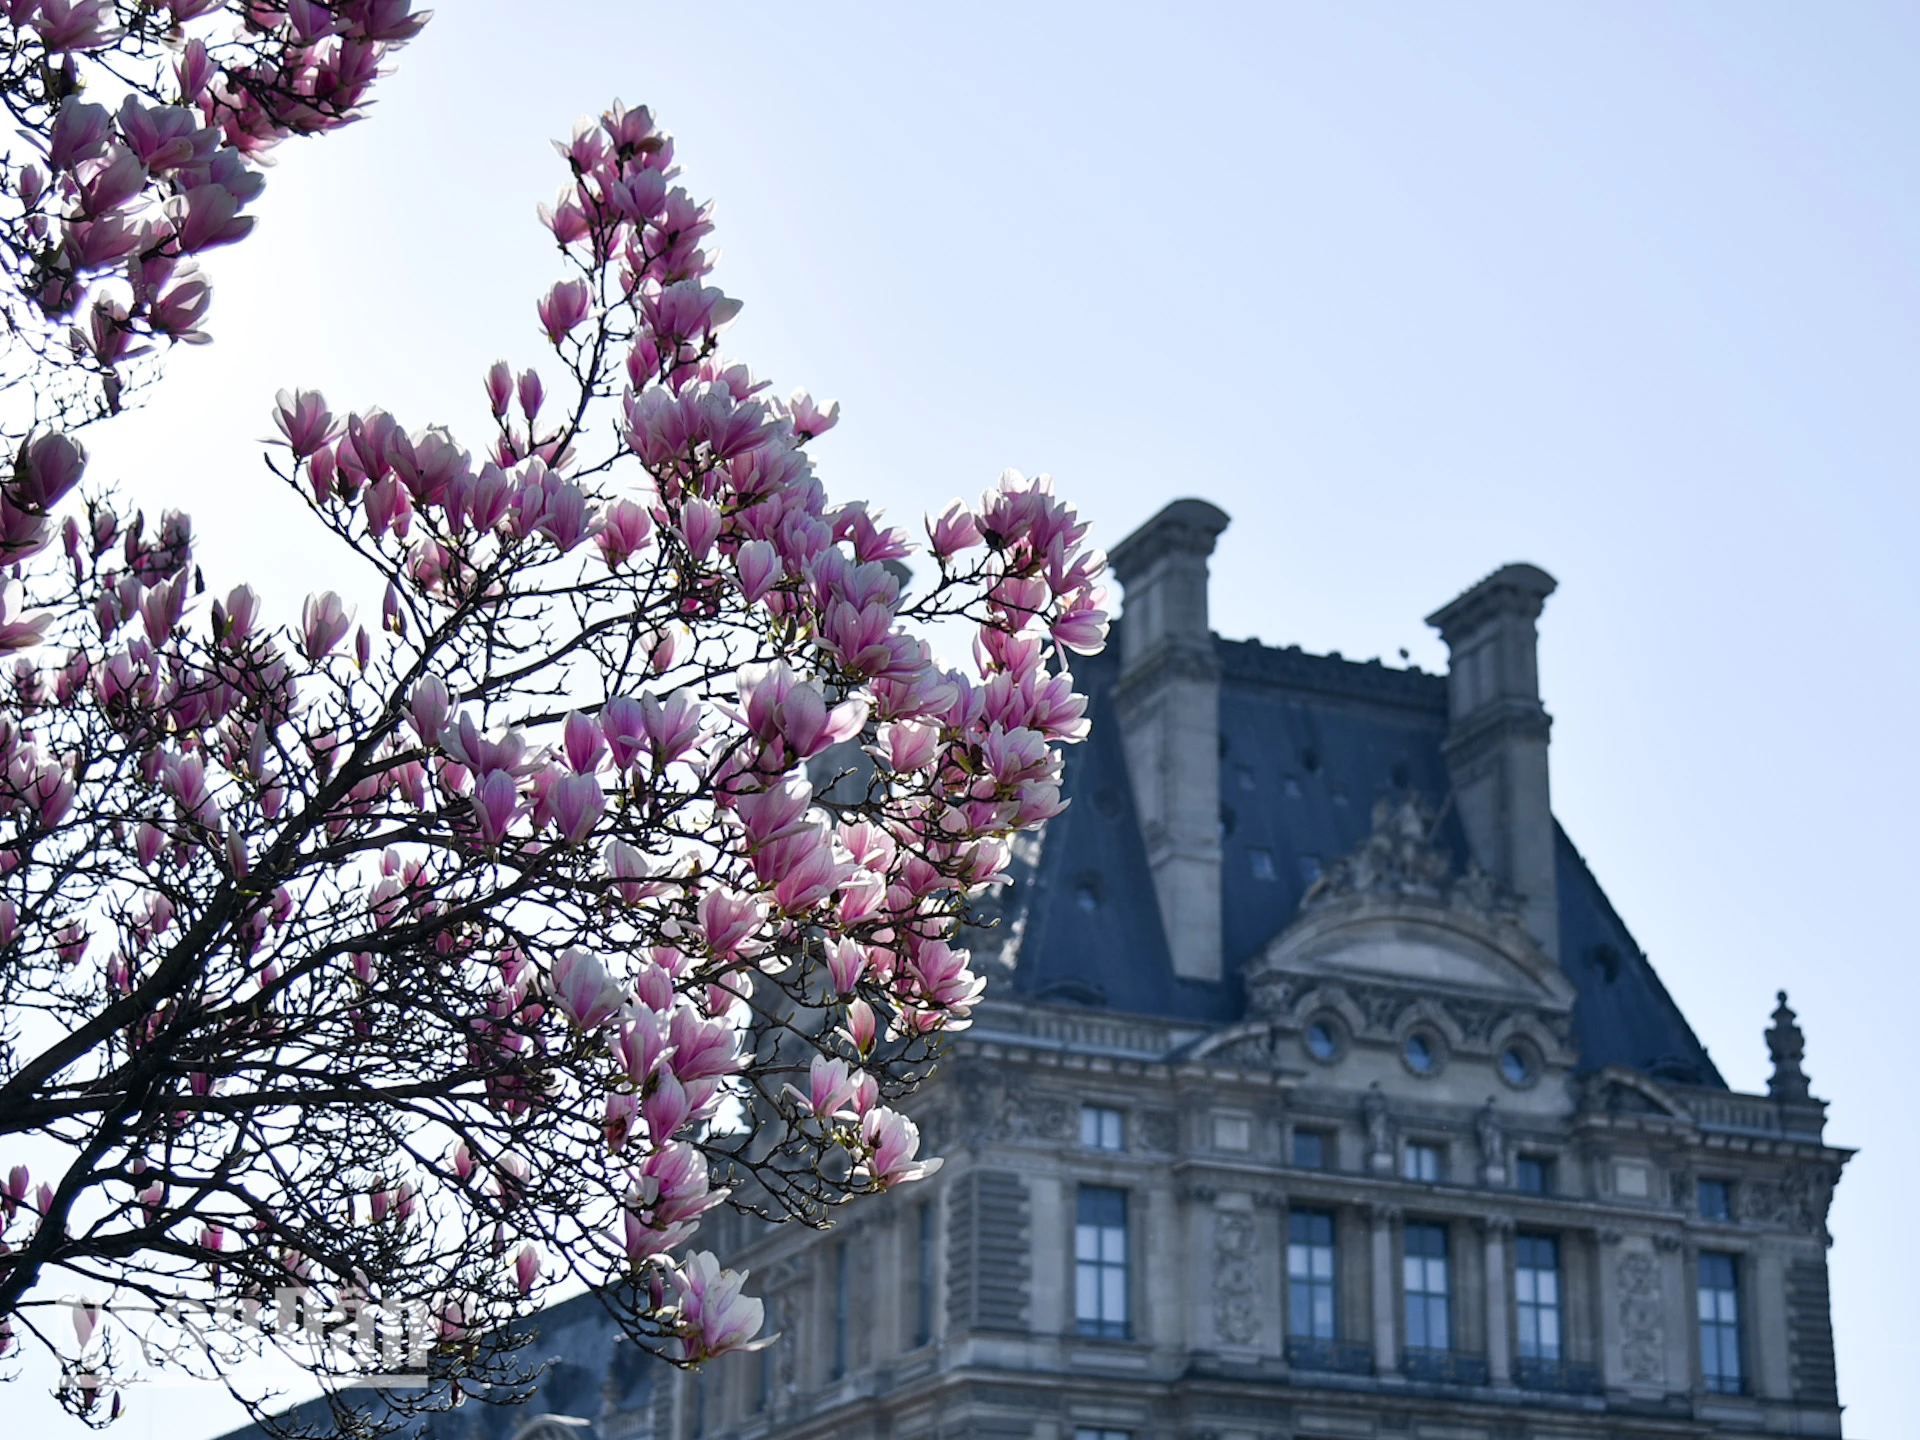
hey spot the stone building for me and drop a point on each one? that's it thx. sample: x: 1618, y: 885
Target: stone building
x: 1319, y: 1091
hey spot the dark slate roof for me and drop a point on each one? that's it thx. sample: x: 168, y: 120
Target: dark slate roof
x: 1307, y: 744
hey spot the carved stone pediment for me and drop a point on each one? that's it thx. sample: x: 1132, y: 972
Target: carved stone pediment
x: 1617, y: 1090
x: 1392, y: 919
x: 1399, y: 859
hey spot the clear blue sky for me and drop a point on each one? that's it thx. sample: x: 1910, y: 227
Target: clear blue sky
x: 1627, y: 291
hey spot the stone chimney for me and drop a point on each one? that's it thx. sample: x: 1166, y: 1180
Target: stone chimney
x: 1496, y: 746
x: 1168, y: 702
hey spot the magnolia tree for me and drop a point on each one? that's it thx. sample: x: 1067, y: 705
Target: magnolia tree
x: 615, y: 870
x: 145, y: 123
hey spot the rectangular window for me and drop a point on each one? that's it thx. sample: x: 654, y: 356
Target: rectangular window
x: 923, y: 1317
x: 1100, y: 1263
x: 1428, y: 1326
x: 1533, y: 1175
x: 1310, y: 1149
x: 1310, y: 1283
x: 1536, y: 1293
x: 839, y: 1309
x: 1087, y: 1432
x: 1716, y: 1200
x: 1719, y: 1322
x: 1100, y: 1128
x: 1421, y: 1162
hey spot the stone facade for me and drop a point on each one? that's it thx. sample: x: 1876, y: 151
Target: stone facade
x: 1400, y: 1064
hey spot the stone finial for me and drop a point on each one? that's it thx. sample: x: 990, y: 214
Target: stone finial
x: 1787, y: 1046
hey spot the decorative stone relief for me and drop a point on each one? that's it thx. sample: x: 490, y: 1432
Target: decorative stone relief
x: 1798, y: 1200
x: 1643, y: 1328
x: 1399, y: 859
x: 1159, y: 1131
x: 1236, y: 1284
x: 1039, y: 1117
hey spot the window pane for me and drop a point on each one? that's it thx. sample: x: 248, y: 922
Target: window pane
x: 1100, y: 1205
x: 1086, y: 1296
x: 1113, y: 1294
x: 1309, y: 1150
x: 1086, y: 1242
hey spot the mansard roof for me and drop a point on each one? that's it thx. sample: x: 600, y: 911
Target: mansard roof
x: 1308, y: 743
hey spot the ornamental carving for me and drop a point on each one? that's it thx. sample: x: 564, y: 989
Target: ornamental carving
x: 1159, y: 1131
x: 1236, y: 1285
x: 1798, y: 1200
x: 1643, y: 1327
x: 1039, y: 1117
x: 1399, y: 860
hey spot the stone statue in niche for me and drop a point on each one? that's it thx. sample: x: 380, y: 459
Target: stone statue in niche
x: 1493, y: 1142
x: 1373, y: 1106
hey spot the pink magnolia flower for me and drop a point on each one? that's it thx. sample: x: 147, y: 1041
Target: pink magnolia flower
x: 829, y: 1088
x: 496, y: 804
x: 674, y: 1183
x: 563, y: 307
x: 779, y: 705
x: 803, y: 868
x: 18, y: 631
x: 943, y: 977
x: 953, y: 532
x: 892, y: 1142
x: 583, y: 990
x: 304, y: 420
x: 623, y: 1109
x: 908, y: 745
x: 758, y: 565
x: 860, y: 1026
x: 776, y: 812
x: 671, y: 725
x: 846, y: 962
x: 702, y: 1049
x: 623, y: 533
x: 642, y: 1039
x: 207, y: 216
x: 716, y: 1317
x: 699, y: 527
x: 729, y: 920
x: 809, y: 420
x: 632, y: 875
x: 578, y: 803
x: 665, y: 1107
x: 526, y: 1268
x: 499, y: 383
x: 51, y: 465
x: 325, y: 619
x: 428, y: 707
x: 584, y: 744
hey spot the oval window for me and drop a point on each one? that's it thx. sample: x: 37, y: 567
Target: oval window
x: 1420, y: 1054
x: 1322, y: 1042
x: 1516, y: 1067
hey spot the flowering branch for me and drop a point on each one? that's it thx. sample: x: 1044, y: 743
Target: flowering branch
x: 617, y: 870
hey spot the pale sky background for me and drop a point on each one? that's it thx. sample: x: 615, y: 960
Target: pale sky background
x: 1410, y: 291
